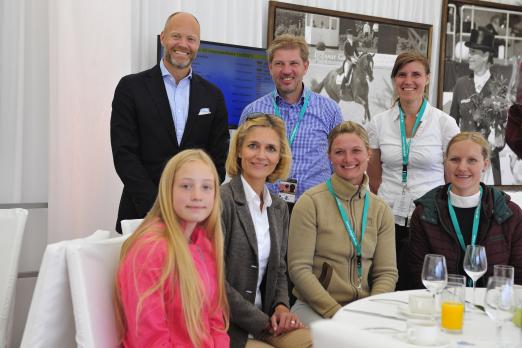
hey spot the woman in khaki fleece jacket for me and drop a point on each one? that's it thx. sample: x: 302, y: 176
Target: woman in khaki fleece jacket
x: 322, y: 256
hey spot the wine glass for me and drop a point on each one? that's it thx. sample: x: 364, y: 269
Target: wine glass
x: 475, y: 264
x: 499, y: 302
x: 434, y: 275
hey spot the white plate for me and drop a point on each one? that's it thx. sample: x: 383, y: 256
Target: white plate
x: 442, y: 341
x: 404, y: 310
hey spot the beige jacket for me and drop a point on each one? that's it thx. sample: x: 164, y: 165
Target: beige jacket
x: 321, y: 257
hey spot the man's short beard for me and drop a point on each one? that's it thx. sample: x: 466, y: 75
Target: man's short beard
x: 175, y: 64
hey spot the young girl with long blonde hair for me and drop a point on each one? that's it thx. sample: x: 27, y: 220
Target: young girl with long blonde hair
x: 170, y: 283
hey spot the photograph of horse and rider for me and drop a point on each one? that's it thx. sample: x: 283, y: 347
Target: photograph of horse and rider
x: 479, y: 77
x: 351, y: 58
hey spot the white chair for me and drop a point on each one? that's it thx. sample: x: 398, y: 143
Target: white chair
x: 12, y: 226
x: 92, y: 268
x: 129, y: 226
x: 50, y: 322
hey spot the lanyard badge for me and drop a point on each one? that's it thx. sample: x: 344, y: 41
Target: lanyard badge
x: 349, y: 229
x: 288, y: 188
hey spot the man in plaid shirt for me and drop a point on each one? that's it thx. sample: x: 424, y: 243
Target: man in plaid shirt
x: 309, y: 117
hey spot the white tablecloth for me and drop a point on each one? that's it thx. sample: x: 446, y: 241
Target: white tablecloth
x: 479, y: 330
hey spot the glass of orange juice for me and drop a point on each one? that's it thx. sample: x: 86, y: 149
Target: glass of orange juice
x: 517, y: 317
x: 452, y: 304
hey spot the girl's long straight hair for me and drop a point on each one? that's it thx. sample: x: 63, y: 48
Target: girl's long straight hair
x: 179, y: 269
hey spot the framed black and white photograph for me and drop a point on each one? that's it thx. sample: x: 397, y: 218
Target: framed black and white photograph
x: 481, y: 46
x: 351, y: 55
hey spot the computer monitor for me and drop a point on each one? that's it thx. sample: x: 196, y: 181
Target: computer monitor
x: 240, y: 72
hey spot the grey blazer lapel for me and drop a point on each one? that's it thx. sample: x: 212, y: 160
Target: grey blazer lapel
x: 275, y: 237
x: 244, y: 213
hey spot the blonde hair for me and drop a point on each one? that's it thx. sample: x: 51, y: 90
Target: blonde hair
x: 475, y: 137
x: 406, y: 58
x: 287, y: 41
x: 348, y: 127
x: 282, y: 169
x: 179, y: 269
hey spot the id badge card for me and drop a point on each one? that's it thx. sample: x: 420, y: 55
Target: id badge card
x: 402, y: 205
x: 287, y: 189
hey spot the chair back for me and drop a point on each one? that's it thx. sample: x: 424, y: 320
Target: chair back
x: 12, y: 227
x: 92, y: 270
x: 129, y: 226
x: 50, y: 322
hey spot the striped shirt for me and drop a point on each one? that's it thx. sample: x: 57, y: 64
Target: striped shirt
x: 310, y: 164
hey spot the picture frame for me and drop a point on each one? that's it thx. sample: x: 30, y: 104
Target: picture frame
x: 377, y: 40
x: 498, y: 30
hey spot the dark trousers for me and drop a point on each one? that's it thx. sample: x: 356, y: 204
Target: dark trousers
x: 402, y: 236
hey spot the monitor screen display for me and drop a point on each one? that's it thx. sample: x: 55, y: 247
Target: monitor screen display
x: 240, y: 72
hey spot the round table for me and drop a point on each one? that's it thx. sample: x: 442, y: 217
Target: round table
x: 479, y: 330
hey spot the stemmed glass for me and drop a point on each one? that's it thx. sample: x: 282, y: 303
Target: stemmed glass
x: 434, y: 275
x: 499, y: 302
x: 475, y: 264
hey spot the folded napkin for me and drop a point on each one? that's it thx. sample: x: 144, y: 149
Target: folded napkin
x: 337, y: 334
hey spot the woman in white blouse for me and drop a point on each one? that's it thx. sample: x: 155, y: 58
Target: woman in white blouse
x: 255, y: 224
x: 408, y: 142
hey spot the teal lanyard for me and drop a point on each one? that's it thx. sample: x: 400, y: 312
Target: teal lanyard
x: 277, y: 112
x: 406, y: 144
x: 353, y: 237
x: 456, y: 226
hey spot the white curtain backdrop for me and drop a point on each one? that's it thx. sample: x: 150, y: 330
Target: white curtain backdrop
x: 60, y: 61
x: 90, y: 50
x: 24, y: 101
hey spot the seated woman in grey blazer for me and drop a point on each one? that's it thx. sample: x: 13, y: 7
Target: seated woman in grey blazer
x: 255, y: 224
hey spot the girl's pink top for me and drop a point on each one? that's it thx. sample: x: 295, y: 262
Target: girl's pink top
x: 161, y: 322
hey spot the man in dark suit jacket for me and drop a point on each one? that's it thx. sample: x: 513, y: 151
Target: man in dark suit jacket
x: 162, y: 111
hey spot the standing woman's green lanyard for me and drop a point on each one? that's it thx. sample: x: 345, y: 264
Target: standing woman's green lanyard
x: 404, y: 142
x: 455, y: 221
x: 349, y: 229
